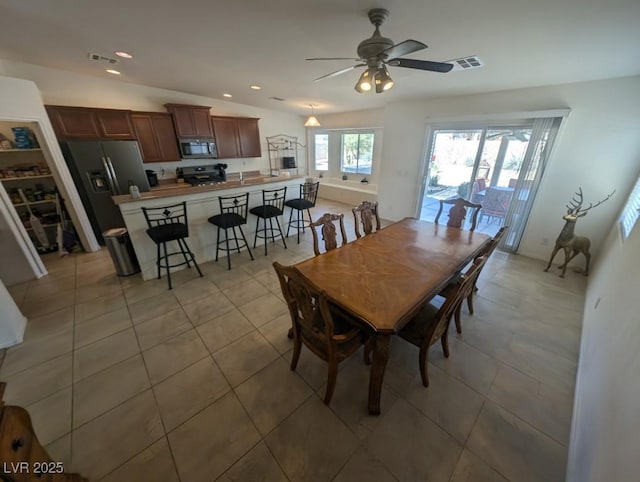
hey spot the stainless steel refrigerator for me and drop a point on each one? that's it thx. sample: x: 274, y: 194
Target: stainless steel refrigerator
x: 101, y: 169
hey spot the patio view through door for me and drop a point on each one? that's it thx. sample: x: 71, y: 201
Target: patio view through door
x: 498, y: 166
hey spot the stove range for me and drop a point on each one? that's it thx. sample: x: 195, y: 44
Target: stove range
x: 203, y: 175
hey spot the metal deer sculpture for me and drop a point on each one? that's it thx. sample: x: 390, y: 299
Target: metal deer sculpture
x: 569, y: 242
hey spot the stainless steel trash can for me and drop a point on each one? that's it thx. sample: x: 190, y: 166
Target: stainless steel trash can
x: 121, y: 251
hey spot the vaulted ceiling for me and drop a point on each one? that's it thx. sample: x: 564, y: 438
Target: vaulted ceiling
x: 211, y: 47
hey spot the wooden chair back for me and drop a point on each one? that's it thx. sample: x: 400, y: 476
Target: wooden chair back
x: 365, y: 214
x: 329, y: 234
x: 458, y: 212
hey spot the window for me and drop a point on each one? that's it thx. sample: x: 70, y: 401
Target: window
x: 357, y: 152
x: 631, y: 212
x: 322, y: 152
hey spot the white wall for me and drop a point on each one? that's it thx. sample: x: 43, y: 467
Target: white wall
x: 14, y: 267
x: 64, y: 88
x: 598, y: 149
x: 605, y: 435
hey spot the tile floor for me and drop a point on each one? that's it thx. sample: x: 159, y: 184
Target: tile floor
x: 127, y: 381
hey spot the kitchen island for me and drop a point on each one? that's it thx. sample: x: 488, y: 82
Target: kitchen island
x: 202, y: 203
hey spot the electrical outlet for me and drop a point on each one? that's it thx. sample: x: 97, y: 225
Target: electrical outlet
x: 545, y: 242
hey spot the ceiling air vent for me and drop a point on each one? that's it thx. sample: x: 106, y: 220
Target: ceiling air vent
x: 466, y: 63
x: 102, y: 58
x: 279, y: 99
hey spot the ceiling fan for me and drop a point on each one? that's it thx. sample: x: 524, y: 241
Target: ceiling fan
x: 377, y: 52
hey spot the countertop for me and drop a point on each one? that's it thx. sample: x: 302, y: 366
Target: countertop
x: 170, y: 189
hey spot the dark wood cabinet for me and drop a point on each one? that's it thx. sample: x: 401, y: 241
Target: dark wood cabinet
x: 90, y: 123
x: 226, y: 131
x: 191, y: 121
x: 156, y: 136
x: 236, y: 136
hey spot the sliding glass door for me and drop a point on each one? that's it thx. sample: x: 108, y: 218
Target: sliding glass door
x: 495, y: 165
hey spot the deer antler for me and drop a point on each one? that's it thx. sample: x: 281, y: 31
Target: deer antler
x: 583, y: 212
x: 575, y: 204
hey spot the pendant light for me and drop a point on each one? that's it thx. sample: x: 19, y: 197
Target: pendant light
x: 312, y: 121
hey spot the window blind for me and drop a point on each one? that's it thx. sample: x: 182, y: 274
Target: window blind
x: 631, y: 212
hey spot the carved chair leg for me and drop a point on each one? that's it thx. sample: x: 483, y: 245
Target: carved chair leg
x: 368, y: 348
x: 457, y: 316
x: 444, y: 341
x: 297, y: 346
x: 331, y: 381
x: 470, y: 302
x: 588, y: 256
x: 422, y: 360
x: 290, y: 334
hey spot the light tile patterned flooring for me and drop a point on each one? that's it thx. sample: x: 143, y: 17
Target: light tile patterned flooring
x: 127, y: 381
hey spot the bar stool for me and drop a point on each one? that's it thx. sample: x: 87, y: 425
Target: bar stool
x: 233, y: 214
x: 307, y: 200
x: 272, y: 207
x: 169, y: 223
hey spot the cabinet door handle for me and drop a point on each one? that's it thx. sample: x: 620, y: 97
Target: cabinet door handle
x: 16, y: 443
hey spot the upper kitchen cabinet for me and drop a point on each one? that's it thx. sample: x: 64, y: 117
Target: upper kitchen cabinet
x: 156, y: 136
x: 236, y: 136
x: 191, y: 121
x: 89, y: 123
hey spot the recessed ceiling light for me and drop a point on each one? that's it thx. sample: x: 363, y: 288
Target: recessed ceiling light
x: 124, y: 55
x: 256, y: 87
x: 227, y: 95
x: 114, y: 72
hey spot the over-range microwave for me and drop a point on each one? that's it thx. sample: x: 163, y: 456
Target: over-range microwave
x: 198, y: 148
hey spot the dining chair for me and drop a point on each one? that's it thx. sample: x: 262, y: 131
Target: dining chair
x: 271, y: 208
x: 306, y: 201
x: 458, y: 212
x: 165, y: 224
x: 321, y: 329
x: 365, y: 214
x: 329, y: 235
x: 233, y: 214
x: 431, y: 324
x: 450, y: 289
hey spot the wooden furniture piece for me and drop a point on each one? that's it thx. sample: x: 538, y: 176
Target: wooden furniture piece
x: 321, y: 329
x: 458, y: 212
x: 365, y: 214
x: 306, y: 201
x: 271, y: 208
x: 236, y: 136
x: 156, y: 136
x: 451, y: 288
x: 384, y: 279
x: 90, y: 123
x: 329, y: 234
x: 233, y: 214
x: 191, y: 121
x: 22, y: 457
x: 169, y: 223
x: 431, y: 324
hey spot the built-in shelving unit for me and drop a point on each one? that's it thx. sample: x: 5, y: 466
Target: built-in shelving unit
x: 284, y: 154
x: 27, y: 170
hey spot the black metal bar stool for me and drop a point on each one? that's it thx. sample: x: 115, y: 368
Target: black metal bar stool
x: 307, y: 200
x: 169, y: 223
x: 233, y: 214
x: 271, y: 208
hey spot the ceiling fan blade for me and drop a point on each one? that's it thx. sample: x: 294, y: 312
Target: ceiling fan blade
x: 422, y: 65
x: 338, y: 72
x: 403, y: 48
x: 335, y: 58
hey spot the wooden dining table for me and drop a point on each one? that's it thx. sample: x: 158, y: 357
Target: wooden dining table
x: 384, y: 278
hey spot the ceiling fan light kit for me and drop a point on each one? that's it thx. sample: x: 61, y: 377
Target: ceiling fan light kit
x: 376, y: 52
